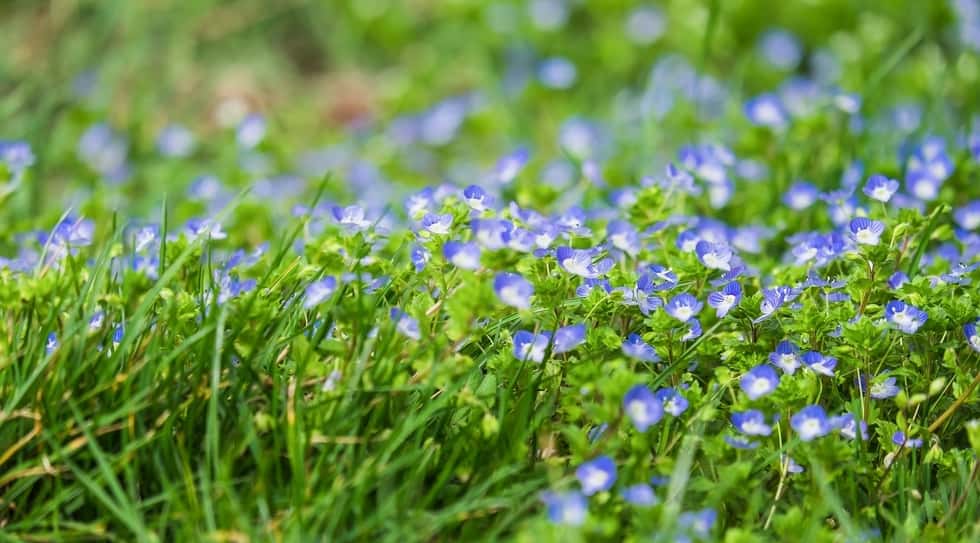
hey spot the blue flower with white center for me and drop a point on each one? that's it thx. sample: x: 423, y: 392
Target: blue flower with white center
x: 922, y: 185
x: 699, y: 523
x: 645, y: 25
x: 405, y: 324
x: 318, y: 292
x: 716, y: 256
x: 810, y: 423
x: 972, y: 337
x: 175, y: 141
x: 725, y: 299
x: 530, y: 346
x: 766, y: 110
x: 657, y: 278
x: 759, y: 381
x: 899, y: 438
x: 588, y: 285
x: 103, y: 150
x: 968, y: 216
x: 568, y: 338
x: 801, y: 195
x: 419, y: 256
x: 672, y: 400
x: 17, y: 155
x: 818, y: 363
x: 751, y: 423
x: 865, y: 231
x: 880, y: 188
x: 352, y: 216
x: 623, y: 236
x: 790, y: 465
x: 849, y: 427
x: 693, y: 330
x: 462, y: 254
x: 557, y: 73
x: 635, y: 347
x: 687, y: 241
x: 492, y: 233
x: 780, y: 49
x: 436, y: 223
x: 898, y: 279
x: 96, y: 322
x: 513, y: 290
x: 597, y: 475
x: 566, y: 508
x: 883, y: 389
x: 740, y: 442
x: 905, y: 317
x: 146, y: 265
x: 641, y: 495
x: 51, y: 344
x: 642, y: 407
x: 683, y: 307
x: 477, y: 198
x: 786, y: 357
x: 251, y: 131
x: 579, y: 262
x: 511, y: 164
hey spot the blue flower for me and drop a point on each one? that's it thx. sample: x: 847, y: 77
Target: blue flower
x: 623, y: 236
x: 635, y: 347
x: 492, y: 233
x: 740, y: 442
x: 465, y: 255
x: 810, y: 423
x: 699, y: 523
x: 569, y: 508
x: 477, y: 198
x: 968, y: 216
x: 724, y: 300
x: 657, y: 278
x: 642, y: 407
x: 645, y: 24
x: 781, y: 49
x: 51, y: 344
x: 884, y: 389
x: 672, y: 401
x: 786, y: 357
x: 588, y: 285
x: 759, y: 381
x: 251, y: 131
x: 791, y: 465
x: 17, y: 155
x: 905, y: 317
x: 751, y: 423
x: 175, y: 141
x: 716, y: 256
x: 766, y: 110
x: 801, y: 195
x: 405, y: 324
x: 898, y: 279
x: 352, y: 216
x: 318, y: 292
x: 513, y: 290
x: 693, y: 330
x: 864, y: 231
x: 557, y: 73
x: 972, y: 337
x: 818, y: 363
x: 597, y: 475
x: 420, y: 257
x: 529, y: 346
x: 848, y: 426
x: 899, y: 438
x: 579, y: 262
x: 641, y: 495
x: 880, y: 188
x: 569, y: 337
x: 436, y: 223
x: 683, y: 307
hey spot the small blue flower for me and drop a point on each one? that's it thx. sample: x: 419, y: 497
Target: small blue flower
x: 569, y: 337
x: 17, y: 155
x: 117, y: 336
x: 641, y: 495
x: 657, y: 278
x: 818, y: 363
x: 51, y: 344
x: 972, y: 337
x: 801, y: 195
x: 557, y: 73
x: 884, y: 389
x: 766, y: 110
x: 513, y: 290
x: 864, y: 231
x: 724, y: 300
x: 579, y: 262
x: 716, y: 256
x: 492, y: 233
x: 759, y: 381
x: 175, y: 141
x: 318, y: 292
x: 781, y: 49
x: 810, y: 423
x: 597, y: 475
x: 510, y: 165
x: 588, y: 285
x: 477, y: 198
x: 880, y: 188
x: 420, y: 257
x: 529, y: 346
x: 642, y: 407
x: 740, y: 442
x: 786, y: 357
x: 848, y: 426
x: 968, y: 216
x: 905, y: 317
x: 672, y: 400
x: 568, y: 508
x: 462, y: 254
x: 352, y: 216
x: 683, y: 307
x: 899, y: 438
x: 623, y: 236
x: 436, y: 223
x: 699, y: 523
x: 693, y: 330
x: 751, y: 423
x: 635, y: 347
x: 405, y: 324
x: 251, y: 131
x: 791, y: 465
x: 898, y: 279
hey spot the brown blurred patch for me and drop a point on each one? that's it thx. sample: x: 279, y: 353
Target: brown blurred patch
x: 349, y: 98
